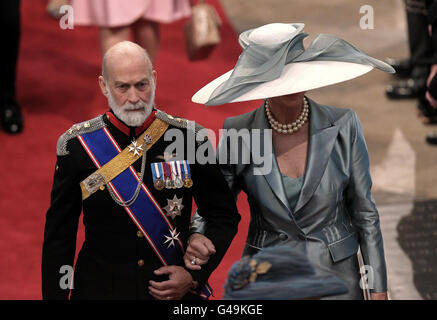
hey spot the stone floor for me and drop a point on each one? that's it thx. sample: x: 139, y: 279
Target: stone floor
x: 403, y: 166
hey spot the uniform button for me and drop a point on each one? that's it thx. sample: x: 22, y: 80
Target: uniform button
x: 140, y: 263
x: 139, y: 234
x: 283, y: 236
x: 301, y: 236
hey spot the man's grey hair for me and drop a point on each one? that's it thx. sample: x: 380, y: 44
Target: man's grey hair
x: 146, y: 56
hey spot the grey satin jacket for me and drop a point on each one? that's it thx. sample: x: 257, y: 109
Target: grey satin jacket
x: 335, y: 213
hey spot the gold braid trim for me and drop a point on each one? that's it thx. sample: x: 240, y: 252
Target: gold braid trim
x: 122, y: 161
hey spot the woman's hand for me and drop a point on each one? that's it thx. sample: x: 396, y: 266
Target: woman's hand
x: 379, y: 296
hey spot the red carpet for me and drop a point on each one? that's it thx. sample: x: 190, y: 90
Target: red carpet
x: 57, y: 87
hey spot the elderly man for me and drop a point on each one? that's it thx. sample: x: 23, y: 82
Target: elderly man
x: 135, y: 199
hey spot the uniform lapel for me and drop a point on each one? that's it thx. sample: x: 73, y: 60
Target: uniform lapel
x: 322, y: 138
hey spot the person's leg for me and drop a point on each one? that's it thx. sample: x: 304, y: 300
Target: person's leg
x: 111, y: 36
x: 421, y: 48
x: 146, y: 34
x: 421, y: 52
x: 10, y: 114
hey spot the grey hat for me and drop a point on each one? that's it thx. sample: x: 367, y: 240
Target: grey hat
x: 274, y: 62
x: 280, y: 273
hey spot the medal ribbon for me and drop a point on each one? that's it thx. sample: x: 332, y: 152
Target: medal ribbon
x: 166, y: 173
x: 155, y: 172
x: 179, y: 173
x: 174, y: 172
x: 186, y: 168
x: 170, y: 171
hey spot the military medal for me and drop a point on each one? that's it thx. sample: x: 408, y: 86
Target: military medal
x: 172, y: 173
x: 174, y: 207
x: 188, y: 183
x: 158, y: 183
x: 177, y: 169
x: 168, y: 181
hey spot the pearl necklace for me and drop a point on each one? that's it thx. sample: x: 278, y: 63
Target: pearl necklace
x: 288, y: 128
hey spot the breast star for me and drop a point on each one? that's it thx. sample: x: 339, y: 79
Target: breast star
x: 174, y: 207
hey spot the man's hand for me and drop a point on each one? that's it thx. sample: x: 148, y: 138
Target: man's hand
x: 198, y: 251
x: 179, y: 283
x: 379, y: 296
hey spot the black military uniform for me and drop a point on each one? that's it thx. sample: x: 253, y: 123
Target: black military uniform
x: 116, y: 261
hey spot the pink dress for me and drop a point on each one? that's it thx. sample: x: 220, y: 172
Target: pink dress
x: 117, y: 13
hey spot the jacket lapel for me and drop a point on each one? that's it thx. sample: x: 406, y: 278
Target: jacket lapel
x: 273, y: 178
x: 322, y: 137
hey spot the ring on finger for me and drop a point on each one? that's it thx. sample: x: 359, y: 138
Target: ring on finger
x: 193, y: 262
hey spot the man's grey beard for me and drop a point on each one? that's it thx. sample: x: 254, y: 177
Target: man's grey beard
x: 132, y: 119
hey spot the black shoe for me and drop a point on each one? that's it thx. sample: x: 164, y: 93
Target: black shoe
x: 403, y: 68
x: 408, y: 89
x: 431, y: 138
x: 10, y: 115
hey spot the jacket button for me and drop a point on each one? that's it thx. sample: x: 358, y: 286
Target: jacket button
x: 301, y: 237
x: 283, y: 236
x: 140, y: 263
x: 139, y: 234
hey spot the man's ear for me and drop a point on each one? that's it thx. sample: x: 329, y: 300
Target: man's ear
x: 154, y: 76
x: 102, y: 84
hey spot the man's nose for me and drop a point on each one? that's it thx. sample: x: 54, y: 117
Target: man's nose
x: 133, y: 96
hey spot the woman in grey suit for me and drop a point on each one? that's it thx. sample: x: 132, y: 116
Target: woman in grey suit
x: 316, y: 191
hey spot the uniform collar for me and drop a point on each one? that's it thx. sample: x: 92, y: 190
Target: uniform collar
x: 127, y: 130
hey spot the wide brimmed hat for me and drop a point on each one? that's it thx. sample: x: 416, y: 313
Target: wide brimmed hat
x: 280, y: 273
x: 274, y: 63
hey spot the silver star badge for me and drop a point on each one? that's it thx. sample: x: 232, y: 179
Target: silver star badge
x: 173, y: 237
x: 174, y: 207
x: 135, y: 148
